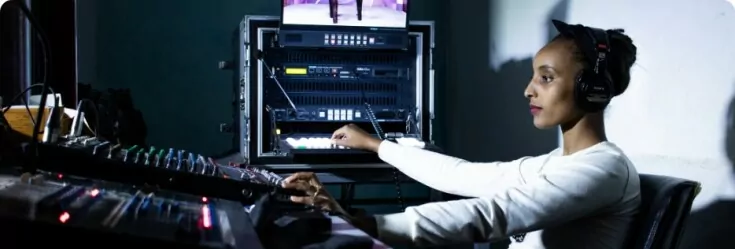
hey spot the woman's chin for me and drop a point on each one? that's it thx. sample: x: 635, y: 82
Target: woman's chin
x: 540, y: 124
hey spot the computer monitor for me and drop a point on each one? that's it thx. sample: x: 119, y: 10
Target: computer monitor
x: 378, y: 23
x: 366, y: 14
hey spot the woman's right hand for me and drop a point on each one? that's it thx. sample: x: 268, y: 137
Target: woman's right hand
x: 317, y: 195
x: 353, y: 137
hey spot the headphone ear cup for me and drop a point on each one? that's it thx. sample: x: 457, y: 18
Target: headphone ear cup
x: 580, y: 84
x: 592, y: 93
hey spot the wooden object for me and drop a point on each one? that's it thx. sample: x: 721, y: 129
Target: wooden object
x: 21, y: 123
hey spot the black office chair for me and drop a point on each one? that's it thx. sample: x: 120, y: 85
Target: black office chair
x: 665, y: 207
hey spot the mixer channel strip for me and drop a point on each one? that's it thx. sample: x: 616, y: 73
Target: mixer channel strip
x: 169, y: 169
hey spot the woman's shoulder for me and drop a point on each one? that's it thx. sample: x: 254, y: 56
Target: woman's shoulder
x: 607, y: 157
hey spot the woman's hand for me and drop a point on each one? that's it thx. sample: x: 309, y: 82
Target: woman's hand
x: 353, y: 137
x: 320, y: 198
x: 317, y: 195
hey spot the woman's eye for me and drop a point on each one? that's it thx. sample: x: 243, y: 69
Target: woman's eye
x: 546, y: 79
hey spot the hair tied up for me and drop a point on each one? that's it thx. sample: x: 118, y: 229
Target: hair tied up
x: 619, y: 31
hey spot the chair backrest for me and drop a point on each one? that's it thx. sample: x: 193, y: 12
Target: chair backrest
x: 666, y: 203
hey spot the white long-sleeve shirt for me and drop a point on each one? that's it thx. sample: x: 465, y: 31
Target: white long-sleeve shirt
x: 583, y: 200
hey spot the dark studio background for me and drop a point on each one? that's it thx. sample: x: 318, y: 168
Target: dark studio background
x: 166, y: 52
x: 16, y: 32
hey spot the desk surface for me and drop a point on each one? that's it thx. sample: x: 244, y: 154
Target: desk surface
x: 340, y: 226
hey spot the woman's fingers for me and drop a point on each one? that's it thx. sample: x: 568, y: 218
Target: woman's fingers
x: 300, y: 176
x: 323, y: 202
x: 300, y: 185
x: 306, y: 200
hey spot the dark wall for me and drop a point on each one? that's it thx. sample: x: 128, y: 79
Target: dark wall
x: 487, y: 116
x: 22, y: 48
x: 166, y: 52
x: 57, y: 18
x: 13, y: 59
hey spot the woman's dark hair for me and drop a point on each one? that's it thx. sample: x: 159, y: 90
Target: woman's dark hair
x: 621, y: 58
x: 623, y: 55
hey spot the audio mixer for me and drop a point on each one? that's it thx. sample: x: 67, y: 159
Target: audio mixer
x: 99, y: 213
x: 170, y: 169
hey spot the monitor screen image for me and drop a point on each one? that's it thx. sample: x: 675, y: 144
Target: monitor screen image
x: 347, y: 13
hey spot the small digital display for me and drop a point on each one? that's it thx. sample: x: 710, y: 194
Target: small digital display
x: 296, y: 71
x: 378, y: 14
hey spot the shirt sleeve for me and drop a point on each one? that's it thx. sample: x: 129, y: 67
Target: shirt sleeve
x: 573, y: 191
x: 449, y: 174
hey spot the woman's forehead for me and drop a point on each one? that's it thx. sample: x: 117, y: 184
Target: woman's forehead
x: 558, y: 54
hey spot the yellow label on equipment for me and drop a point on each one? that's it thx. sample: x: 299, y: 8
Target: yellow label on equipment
x: 295, y: 70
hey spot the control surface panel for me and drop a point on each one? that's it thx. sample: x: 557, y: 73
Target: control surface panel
x: 123, y: 214
x: 170, y: 169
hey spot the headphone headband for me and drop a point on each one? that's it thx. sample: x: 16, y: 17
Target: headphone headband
x: 594, y: 88
x: 601, y: 44
x: 595, y: 45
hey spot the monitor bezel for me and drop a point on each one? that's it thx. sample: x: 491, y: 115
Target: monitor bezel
x: 334, y: 28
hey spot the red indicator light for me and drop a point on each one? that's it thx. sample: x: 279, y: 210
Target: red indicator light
x: 64, y: 217
x: 206, y: 217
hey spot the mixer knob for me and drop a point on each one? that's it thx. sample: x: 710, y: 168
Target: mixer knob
x: 37, y: 179
x: 26, y: 177
x: 247, y: 193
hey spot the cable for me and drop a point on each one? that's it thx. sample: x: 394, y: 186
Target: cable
x: 20, y: 95
x: 259, y: 56
x: 44, y: 96
x: 275, y: 140
x: 96, y: 115
x: 381, y: 135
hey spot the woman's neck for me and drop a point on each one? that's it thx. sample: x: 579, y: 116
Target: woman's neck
x: 583, y: 133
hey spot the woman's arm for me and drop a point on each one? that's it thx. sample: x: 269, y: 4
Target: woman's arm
x: 450, y: 174
x: 565, y: 194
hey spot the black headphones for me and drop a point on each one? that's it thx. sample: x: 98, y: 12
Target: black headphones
x: 594, y: 88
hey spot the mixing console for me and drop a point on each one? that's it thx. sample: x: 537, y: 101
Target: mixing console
x: 171, y: 169
x: 114, y: 214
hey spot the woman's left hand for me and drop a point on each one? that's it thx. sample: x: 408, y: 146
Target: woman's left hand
x: 317, y: 195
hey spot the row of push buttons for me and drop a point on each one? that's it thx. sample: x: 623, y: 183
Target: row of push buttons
x: 348, y: 39
x: 342, y: 114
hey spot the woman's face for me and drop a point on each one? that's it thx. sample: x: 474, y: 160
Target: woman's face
x: 551, y: 90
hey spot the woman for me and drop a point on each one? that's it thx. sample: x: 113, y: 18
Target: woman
x: 582, y: 195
